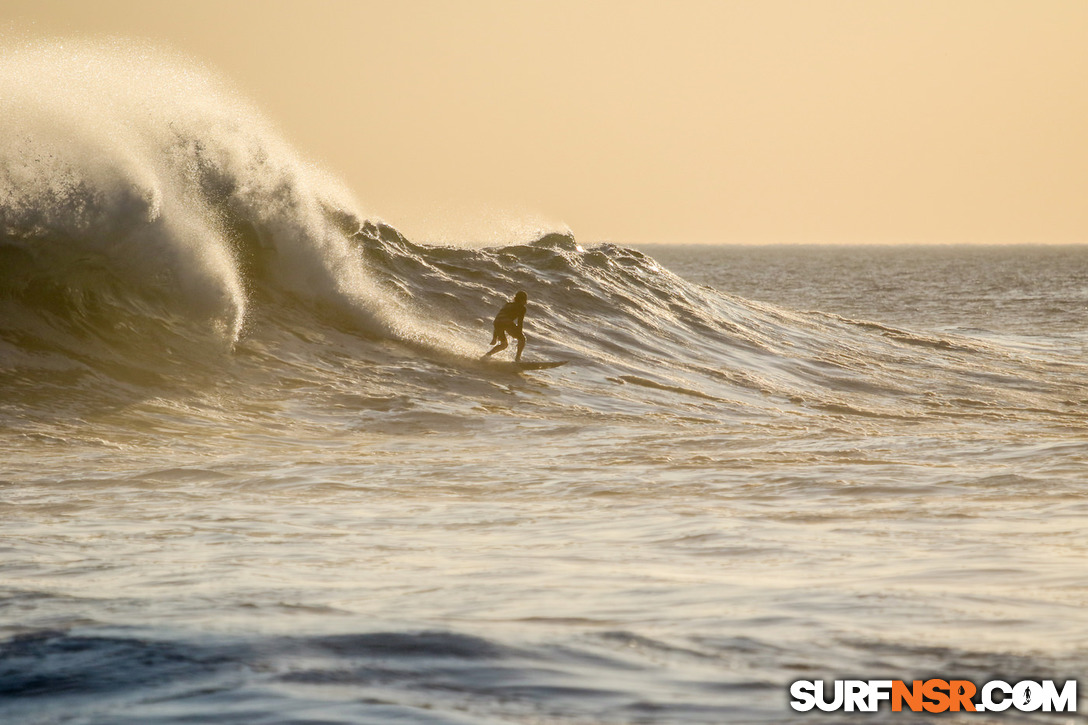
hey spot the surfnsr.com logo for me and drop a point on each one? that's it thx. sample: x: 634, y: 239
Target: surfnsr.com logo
x: 934, y: 696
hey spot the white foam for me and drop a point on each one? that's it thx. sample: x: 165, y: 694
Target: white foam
x: 121, y: 150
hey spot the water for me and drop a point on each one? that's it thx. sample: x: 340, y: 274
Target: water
x: 253, y: 473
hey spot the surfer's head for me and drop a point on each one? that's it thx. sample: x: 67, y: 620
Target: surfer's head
x: 521, y: 297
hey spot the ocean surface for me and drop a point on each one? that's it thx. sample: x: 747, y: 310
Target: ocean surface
x: 252, y: 470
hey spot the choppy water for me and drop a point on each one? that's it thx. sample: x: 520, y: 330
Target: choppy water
x: 252, y: 472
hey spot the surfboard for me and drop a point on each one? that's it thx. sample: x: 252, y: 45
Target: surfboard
x: 540, y: 365
x: 519, y: 366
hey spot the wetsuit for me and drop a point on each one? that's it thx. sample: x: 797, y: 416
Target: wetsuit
x: 507, y: 321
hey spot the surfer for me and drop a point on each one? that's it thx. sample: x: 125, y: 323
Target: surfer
x: 510, y: 320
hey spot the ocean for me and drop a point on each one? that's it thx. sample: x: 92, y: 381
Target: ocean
x: 253, y: 470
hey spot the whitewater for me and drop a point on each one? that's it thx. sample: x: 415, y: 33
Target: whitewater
x: 252, y: 470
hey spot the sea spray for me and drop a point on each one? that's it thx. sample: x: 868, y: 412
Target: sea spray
x: 146, y: 163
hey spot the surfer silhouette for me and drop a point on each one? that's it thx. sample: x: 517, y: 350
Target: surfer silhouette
x: 509, y: 321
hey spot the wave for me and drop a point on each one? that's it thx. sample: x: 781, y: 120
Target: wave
x: 155, y: 228
x: 605, y: 676
x: 127, y: 169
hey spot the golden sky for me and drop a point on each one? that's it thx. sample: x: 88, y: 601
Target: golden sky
x: 843, y: 121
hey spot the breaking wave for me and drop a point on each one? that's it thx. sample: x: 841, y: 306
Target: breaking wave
x: 154, y: 227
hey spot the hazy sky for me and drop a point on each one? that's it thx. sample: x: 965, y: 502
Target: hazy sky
x: 763, y: 121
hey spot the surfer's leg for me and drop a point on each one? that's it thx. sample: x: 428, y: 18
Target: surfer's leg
x: 520, y: 337
x: 501, y: 334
